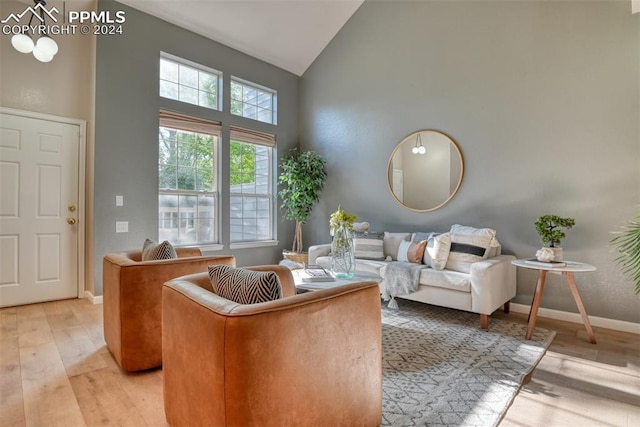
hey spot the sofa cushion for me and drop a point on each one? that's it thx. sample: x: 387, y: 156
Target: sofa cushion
x: 391, y: 243
x: 437, y: 250
x: 152, y: 251
x: 368, y: 246
x: 469, y: 245
x: 411, y: 251
x: 245, y: 286
x: 446, y: 279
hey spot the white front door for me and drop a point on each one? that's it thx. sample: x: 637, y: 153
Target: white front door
x: 38, y: 209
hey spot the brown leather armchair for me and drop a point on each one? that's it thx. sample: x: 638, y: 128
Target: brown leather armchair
x: 132, y: 302
x: 313, y: 359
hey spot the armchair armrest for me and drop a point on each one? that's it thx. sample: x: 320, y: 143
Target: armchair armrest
x: 493, y: 282
x: 316, y: 251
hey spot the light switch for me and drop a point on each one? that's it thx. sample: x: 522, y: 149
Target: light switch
x: 119, y: 201
x: 122, y: 226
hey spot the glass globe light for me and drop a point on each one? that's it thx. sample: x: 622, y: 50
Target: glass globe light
x: 47, y: 45
x: 422, y: 150
x: 415, y: 149
x: 22, y: 43
x: 41, y: 56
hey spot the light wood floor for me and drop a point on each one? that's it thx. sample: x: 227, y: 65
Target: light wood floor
x: 55, y: 370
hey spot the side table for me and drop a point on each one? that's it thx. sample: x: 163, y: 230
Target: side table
x: 567, y: 271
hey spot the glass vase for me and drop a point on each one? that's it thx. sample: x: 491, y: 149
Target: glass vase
x: 343, y: 262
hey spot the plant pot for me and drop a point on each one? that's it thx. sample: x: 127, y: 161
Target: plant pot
x: 301, y: 258
x: 557, y: 254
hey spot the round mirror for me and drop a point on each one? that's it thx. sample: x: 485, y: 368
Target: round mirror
x: 425, y: 170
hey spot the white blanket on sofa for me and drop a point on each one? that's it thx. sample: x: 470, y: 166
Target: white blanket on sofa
x: 400, y: 278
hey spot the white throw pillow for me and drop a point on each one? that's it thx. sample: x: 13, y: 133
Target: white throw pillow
x: 438, y: 247
x: 391, y: 243
x: 469, y: 245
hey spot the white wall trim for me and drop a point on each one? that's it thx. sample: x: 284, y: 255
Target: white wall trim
x: 92, y: 298
x: 603, y: 322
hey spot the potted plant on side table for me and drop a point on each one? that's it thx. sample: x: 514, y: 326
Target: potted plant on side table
x: 302, y: 179
x: 548, y: 227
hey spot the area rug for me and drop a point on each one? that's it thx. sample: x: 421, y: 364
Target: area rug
x: 441, y: 369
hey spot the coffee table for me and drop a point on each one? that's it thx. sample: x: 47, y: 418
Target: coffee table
x: 567, y: 271
x: 315, y: 286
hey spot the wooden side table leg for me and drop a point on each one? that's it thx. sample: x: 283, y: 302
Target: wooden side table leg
x: 583, y: 312
x: 535, y: 305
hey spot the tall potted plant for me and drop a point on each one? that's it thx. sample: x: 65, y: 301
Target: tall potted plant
x: 627, y: 242
x: 548, y: 227
x: 302, y: 178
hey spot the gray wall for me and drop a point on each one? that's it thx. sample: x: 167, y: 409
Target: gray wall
x: 127, y: 105
x: 542, y: 98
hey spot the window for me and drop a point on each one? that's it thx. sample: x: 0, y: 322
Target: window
x: 251, y: 185
x: 187, y: 171
x: 253, y: 101
x: 186, y: 81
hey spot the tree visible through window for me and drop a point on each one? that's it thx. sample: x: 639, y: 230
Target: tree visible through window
x: 187, y: 186
x: 250, y: 192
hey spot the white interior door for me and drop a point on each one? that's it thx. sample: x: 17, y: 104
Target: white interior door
x: 39, y: 192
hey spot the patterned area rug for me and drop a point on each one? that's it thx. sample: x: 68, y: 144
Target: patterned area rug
x: 441, y: 369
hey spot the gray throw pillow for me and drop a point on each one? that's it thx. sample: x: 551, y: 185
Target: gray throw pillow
x: 368, y: 246
x: 245, y: 286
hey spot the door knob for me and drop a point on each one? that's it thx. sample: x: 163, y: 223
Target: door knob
x: 71, y: 221
x: 72, y: 208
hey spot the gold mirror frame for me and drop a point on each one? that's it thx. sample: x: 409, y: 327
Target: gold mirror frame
x: 439, y: 167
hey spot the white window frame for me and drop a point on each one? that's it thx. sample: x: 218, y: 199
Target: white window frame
x: 189, y: 124
x: 200, y: 69
x: 256, y: 138
x: 255, y: 86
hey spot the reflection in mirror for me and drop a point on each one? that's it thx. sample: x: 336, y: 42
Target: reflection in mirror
x: 425, y: 170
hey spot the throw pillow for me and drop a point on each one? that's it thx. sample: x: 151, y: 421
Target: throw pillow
x: 411, y: 251
x: 360, y: 227
x: 469, y: 245
x: 152, y: 251
x: 391, y: 242
x: 368, y: 246
x: 245, y: 286
x: 438, y: 246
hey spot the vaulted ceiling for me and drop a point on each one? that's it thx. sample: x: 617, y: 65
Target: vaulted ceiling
x: 289, y: 34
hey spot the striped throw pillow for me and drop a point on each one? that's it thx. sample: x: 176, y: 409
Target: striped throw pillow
x: 152, y: 251
x: 244, y: 286
x: 368, y: 246
x: 469, y: 245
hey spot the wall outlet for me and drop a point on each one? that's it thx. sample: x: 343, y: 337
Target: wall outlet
x: 119, y: 201
x: 122, y: 226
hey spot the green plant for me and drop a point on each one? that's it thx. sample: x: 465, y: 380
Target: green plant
x: 340, y: 218
x: 303, y: 177
x: 548, y: 226
x: 628, y: 247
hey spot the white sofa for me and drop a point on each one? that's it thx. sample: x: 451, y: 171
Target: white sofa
x: 484, y: 284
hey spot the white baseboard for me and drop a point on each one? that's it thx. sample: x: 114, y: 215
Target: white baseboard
x: 603, y: 322
x: 94, y: 299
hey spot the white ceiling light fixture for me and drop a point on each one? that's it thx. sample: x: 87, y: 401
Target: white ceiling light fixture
x: 46, y: 47
x: 418, y: 148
